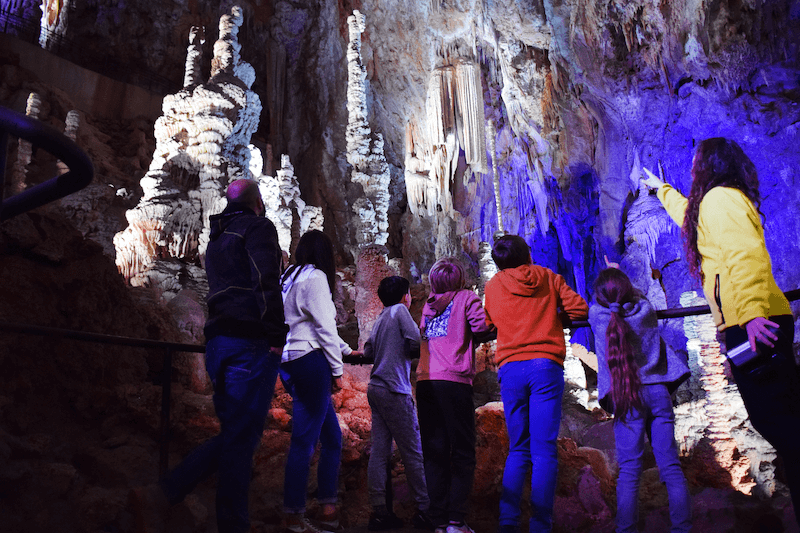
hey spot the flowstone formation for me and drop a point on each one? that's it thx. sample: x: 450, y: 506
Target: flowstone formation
x: 201, y: 145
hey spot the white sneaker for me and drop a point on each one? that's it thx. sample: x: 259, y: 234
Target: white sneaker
x: 303, y: 526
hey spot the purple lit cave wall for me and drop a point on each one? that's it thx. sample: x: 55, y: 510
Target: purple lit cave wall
x: 407, y: 130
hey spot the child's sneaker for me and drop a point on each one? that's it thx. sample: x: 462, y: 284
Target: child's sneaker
x: 301, y: 524
x: 422, y: 521
x: 330, y: 522
x: 459, y: 528
x: 384, y: 522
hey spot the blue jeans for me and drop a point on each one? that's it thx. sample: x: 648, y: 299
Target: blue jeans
x: 243, y: 372
x: 658, y: 420
x: 531, y: 392
x: 308, y: 379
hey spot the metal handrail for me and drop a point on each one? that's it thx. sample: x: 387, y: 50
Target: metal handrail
x: 43, y: 136
x: 170, y: 347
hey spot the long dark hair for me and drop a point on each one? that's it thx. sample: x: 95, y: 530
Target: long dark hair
x: 613, y: 289
x: 314, y: 248
x: 718, y: 162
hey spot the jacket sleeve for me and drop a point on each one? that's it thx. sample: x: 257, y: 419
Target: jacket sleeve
x: 318, y: 304
x: 572, y: 302
x: 410, y: 332
x: 734, y: 227
x: 674, y: 203
x: 478, y: 320
x: 261, y: 243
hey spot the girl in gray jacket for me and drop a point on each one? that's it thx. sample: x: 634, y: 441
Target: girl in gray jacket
x: 635, y: 380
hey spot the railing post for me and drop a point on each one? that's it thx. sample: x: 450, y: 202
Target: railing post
x: 166, y: 393
x: 3, y: 150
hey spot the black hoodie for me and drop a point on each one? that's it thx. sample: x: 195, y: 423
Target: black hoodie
x: 243, y: 261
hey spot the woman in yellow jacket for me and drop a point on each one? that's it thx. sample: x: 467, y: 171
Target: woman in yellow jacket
x: 725, y: 248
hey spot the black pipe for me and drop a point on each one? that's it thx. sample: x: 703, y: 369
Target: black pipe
x: 42, y: 136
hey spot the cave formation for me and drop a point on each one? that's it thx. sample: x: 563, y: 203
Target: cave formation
x: 364, y: 119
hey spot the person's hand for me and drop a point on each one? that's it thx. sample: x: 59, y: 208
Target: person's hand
x: 610, y: 264
x: 336, y: 384
x: 652, y: 181
x: 357, y: 353
x: 757, y: 331
x: 276, y: 350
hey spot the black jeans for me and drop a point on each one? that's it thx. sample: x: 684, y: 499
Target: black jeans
x: 771, y: 395
x: 447, y: 429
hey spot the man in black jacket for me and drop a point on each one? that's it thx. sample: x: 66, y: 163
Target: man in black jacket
x: 245, y: 334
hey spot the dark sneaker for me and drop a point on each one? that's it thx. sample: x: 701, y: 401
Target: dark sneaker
x: 384, y: 522
x: 422, y: 521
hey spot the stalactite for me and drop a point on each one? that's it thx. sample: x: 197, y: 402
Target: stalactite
x: 25, y: 150
x: 469, y: 106
x: 54, y: 22
x: 498, y: 199
x: 421, y: 189
x: 646, y: 219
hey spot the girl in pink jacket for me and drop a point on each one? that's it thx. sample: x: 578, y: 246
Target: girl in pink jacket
x: 453, y: 324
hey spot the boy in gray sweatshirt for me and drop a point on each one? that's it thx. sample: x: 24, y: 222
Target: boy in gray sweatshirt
x: 393, y: 343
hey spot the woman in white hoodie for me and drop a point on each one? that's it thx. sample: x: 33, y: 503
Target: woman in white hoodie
x: 312, y: 369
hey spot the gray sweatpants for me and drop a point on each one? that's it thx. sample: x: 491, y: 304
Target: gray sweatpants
x: 394, y: 416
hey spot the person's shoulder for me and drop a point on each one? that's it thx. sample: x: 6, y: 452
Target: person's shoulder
x: 725, y: 195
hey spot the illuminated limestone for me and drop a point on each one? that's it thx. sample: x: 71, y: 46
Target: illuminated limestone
x: 364, y: 152
x: 202, y: 143
x: 72, y: 123
x: 25, y: 150
x: 284, y: 205
x: 53, y: 24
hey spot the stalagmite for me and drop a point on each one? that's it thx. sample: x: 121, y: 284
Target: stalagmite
x: 194, y: 57
x: 25, y: 150
x: 72, y: 123
x: 364, y: 152
x: 202, y: 143
x: 702, y: 344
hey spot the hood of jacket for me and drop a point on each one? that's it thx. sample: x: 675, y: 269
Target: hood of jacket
x: 524, y: 280
x: 221, y: 221
x: 436, y: 303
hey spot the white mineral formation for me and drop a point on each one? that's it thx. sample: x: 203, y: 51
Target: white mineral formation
x: 194, y: 57
x: 53, y: 24
x: 25, y: 150
x: 72, y: 123
x: 455, y: 118
x: 365, y: 153
x: 421, y: 189
x: 492, y: 133
x: 201, y: 145
x: 284, y: 205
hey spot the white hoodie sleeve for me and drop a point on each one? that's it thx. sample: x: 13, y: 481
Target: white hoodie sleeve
x: 316, y: 300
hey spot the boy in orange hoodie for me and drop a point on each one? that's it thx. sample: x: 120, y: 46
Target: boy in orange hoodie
x: 523, y: 301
